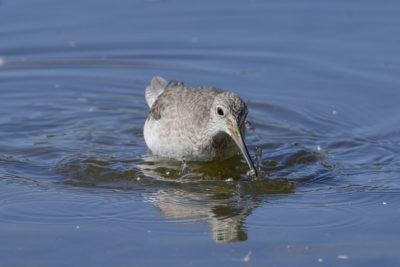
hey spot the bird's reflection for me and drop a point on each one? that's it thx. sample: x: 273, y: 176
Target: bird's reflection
x: 225, y: 219
x: 223, y: 203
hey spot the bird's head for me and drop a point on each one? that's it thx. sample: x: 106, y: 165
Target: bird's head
x: 228, y: 114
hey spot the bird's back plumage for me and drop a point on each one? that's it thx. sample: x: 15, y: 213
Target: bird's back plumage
x: 181, y: 103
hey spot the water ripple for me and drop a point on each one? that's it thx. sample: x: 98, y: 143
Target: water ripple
x: 54, y: 207
x: 334, y: 210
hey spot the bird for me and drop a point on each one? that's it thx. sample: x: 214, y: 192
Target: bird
x: 195, y: 124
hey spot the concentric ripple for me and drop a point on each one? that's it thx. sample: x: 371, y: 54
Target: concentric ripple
x: 68, y: 207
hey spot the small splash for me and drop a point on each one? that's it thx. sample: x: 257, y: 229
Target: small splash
x: 247, y: 258
x: 259, y: 152
x: 249, y: 126
x: 184, y: 168
x: 251, y: 174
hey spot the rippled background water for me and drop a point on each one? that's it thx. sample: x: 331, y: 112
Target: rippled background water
x: 78, y: 187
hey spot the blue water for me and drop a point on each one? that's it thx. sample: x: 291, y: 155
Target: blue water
x: 78, y: 186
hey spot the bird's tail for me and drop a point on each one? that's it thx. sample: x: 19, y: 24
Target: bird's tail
x: 156, y: 87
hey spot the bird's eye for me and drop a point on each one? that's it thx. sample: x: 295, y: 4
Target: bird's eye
x: 220, y: 111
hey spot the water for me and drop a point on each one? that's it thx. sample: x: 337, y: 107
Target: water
x: 78, y: 187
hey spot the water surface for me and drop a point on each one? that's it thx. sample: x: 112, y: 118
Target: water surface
x: 78, y: 186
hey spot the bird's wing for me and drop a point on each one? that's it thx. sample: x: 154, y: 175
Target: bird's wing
x: 156, y: 87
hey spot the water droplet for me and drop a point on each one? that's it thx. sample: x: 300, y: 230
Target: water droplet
x: 343, y: 257
x: 77, y: 227
x: 247, y: 257
x: 384, y: 203
x: 320, y: 260
x: 318, y: 148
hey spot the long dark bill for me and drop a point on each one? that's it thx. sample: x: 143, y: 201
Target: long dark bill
x: 237, y: 137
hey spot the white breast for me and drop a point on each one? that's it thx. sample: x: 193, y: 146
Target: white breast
x: 164, y: 144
